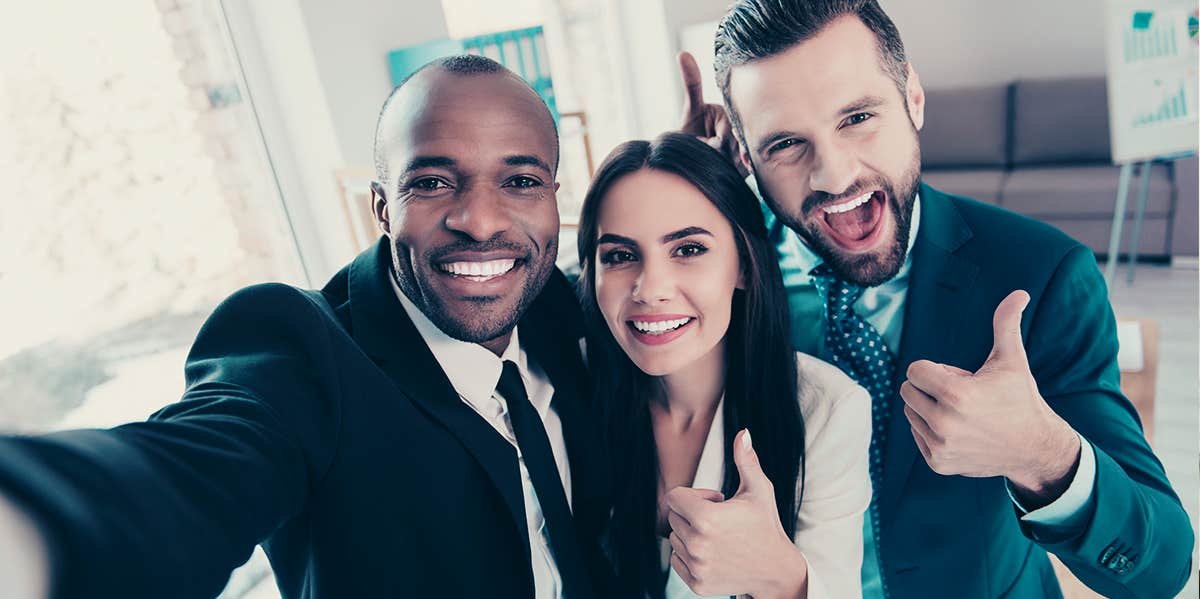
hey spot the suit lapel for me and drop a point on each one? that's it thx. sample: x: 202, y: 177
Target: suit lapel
x: 384, y: 331
x: 940, y: 281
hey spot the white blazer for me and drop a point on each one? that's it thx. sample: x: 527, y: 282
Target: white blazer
x: 837, y: 482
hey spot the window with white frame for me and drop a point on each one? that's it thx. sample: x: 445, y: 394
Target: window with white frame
x: 134, y: 196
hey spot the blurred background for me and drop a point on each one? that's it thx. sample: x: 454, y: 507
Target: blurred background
x: 156, y: 155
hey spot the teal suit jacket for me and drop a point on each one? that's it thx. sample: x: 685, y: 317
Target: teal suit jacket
x: 954, y: 536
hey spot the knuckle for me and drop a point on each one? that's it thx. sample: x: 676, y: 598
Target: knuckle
x: 915, y: 368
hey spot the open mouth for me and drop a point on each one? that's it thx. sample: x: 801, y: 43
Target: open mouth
x: 659, y: 329
x: 854, y: 224
x: 480, y: 271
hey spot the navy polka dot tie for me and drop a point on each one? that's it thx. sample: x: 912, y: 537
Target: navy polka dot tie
x: 859, y: 350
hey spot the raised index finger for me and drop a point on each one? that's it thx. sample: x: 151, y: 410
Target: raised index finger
x: 693, y: 84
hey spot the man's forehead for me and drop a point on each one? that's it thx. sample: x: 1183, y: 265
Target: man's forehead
x: 819, y: 76
x: 475, y: 117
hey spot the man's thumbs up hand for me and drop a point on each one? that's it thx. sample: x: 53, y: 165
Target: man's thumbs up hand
x: 736, y: 546
x: 1008, y: 350
x: 992, y: 422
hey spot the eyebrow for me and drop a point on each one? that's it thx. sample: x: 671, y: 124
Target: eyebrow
x: 685, y: 232
x: 668, y: 238
x: 526, y: 160
x: 861, y: 104
x: 421, y: 162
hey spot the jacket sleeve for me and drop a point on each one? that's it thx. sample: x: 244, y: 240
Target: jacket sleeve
x: 168, y: 507
x: 1136, y: 540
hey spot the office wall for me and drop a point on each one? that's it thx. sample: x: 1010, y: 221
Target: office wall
x: 350, y: 41
x: 956, y: 42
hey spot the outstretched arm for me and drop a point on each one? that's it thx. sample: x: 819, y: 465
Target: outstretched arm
x: 168, y: 507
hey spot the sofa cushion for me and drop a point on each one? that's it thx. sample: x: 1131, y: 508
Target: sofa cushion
x: 1060, y: 121
x: 978, y: 184
x: 1081, y: 191
x: 965, y: 127
x: 1094, y: 233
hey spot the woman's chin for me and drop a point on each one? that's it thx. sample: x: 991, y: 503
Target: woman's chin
x: 655, y: 366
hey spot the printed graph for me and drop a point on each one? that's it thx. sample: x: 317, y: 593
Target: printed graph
x: 1166, y: 101
x: 1154, y: 36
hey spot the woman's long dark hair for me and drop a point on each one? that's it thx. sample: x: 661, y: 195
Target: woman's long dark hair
x: 760, y: 364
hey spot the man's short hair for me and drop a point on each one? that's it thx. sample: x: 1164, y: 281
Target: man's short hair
x: 757, y: 29
x: 460, y: 64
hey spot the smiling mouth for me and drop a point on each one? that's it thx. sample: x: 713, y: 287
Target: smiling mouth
x: 660, y: 327
x: 659, y: 330
x: 854, y: 223
x: 478, y: 271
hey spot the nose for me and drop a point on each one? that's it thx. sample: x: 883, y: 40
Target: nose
x: 834, y: 171
x: 654, y: 285
x: 478, y: 213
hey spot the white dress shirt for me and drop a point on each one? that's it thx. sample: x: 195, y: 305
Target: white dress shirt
x: 837, y: 481
x: 474, y: 371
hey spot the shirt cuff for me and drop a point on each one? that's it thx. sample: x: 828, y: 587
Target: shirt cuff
x: 1068, y: 511
x: 24, y: 564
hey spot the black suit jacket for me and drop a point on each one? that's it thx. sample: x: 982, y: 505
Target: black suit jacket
x: 320, y: 425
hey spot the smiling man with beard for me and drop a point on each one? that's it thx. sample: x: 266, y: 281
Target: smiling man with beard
x: 984, y: 338
x: 416, y: 428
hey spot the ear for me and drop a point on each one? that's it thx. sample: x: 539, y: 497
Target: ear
x: 556, y: 186
x: 741, y: 280
x: 747, y: 164
x: 915, y: 97
x: 379, y: 207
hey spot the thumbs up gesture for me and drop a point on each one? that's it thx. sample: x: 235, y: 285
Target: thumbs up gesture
x: 735, y: 546
x: 707, y: 121
x: 992, y: 422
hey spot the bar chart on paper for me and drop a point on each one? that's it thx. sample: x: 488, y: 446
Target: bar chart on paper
x: 1165, y: 101
x: 1151, y: 38
x: 1152, y: 78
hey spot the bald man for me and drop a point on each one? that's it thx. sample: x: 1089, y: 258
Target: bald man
x: 416, y: 428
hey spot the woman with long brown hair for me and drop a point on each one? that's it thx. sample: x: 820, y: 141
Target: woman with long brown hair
x: 689, y: 345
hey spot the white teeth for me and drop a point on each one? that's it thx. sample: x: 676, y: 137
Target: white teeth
x: 479, y: 271
x: 849, y: 205
x: 659, y: 327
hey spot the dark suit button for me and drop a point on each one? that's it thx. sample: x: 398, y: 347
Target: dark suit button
x: 1121, y: 564
x: 1116, y: 561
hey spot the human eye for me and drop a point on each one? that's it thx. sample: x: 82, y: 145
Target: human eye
x: 426, y: 185
x: 690, y: 249
x: 617, y: 257
x: 523, y: 182
x: 858, y: 118
x: 783, y: 145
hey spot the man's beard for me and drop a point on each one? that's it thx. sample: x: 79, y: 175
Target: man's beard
x: 479, y: 325
x: 866, y: 270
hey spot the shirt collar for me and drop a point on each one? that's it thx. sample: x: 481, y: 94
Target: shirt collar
x: 473, y: 369
x: 807, y: 260
x: 710, y: 471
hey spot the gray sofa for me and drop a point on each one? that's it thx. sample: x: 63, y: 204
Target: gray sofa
x: 1041, y: 148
